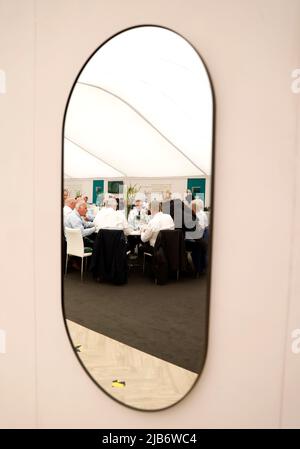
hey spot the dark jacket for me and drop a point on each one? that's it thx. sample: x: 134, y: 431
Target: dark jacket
x: 169, y: 254
x: 109, y: 260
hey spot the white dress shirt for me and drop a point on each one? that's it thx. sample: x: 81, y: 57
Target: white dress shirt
x: 109, y: 218
x: 74, y: 221
x: 132, y: 217
x: 67, y: 210
x: 159, y: 222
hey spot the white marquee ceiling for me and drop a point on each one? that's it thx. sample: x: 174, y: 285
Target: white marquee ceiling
x: 142, y: 107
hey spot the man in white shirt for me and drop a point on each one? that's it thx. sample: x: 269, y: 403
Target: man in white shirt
x: 138, y: 216
x: 89, y: 214
x: 158, y: 222
x: 75, y: 220
x: 70, y: 204
x: 198, y: 206
x: 109, y: 218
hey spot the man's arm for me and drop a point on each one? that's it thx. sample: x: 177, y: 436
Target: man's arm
x: 88, y: 224
x: 87, y: 231
x: 146, y: 233
x: 76, y: 223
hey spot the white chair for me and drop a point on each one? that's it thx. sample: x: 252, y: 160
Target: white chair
x: 75, y: 246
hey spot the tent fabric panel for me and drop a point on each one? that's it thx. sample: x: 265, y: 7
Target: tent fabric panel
x: 113, y: 131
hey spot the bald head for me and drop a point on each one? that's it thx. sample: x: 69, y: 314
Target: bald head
x: 71, y: 202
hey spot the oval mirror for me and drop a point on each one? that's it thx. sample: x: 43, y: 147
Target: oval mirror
x: 137, y: 158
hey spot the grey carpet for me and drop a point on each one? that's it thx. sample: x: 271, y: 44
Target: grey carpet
x: 167, y: 321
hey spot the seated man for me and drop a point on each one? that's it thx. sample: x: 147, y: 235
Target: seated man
x: 158, y: 222
x: 198, y: 208
x: 138, y: 216
x: 75, y: 220
x: 109, y: 218
x: 89, y: 215
x: 69, y: 206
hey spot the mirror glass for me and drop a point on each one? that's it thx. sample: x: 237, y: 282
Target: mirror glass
x: 137, y: 163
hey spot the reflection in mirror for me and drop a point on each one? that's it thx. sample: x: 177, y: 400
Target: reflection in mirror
x: 137, y: 156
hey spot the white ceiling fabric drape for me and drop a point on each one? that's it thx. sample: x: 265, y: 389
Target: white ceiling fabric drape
x: 142, y: 107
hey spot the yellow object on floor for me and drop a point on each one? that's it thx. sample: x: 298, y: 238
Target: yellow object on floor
x: 118, y: 383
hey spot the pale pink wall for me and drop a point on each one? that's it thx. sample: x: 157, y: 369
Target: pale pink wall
x: 291, y: 368
x: 250, y: 48
x: 17, y: 297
